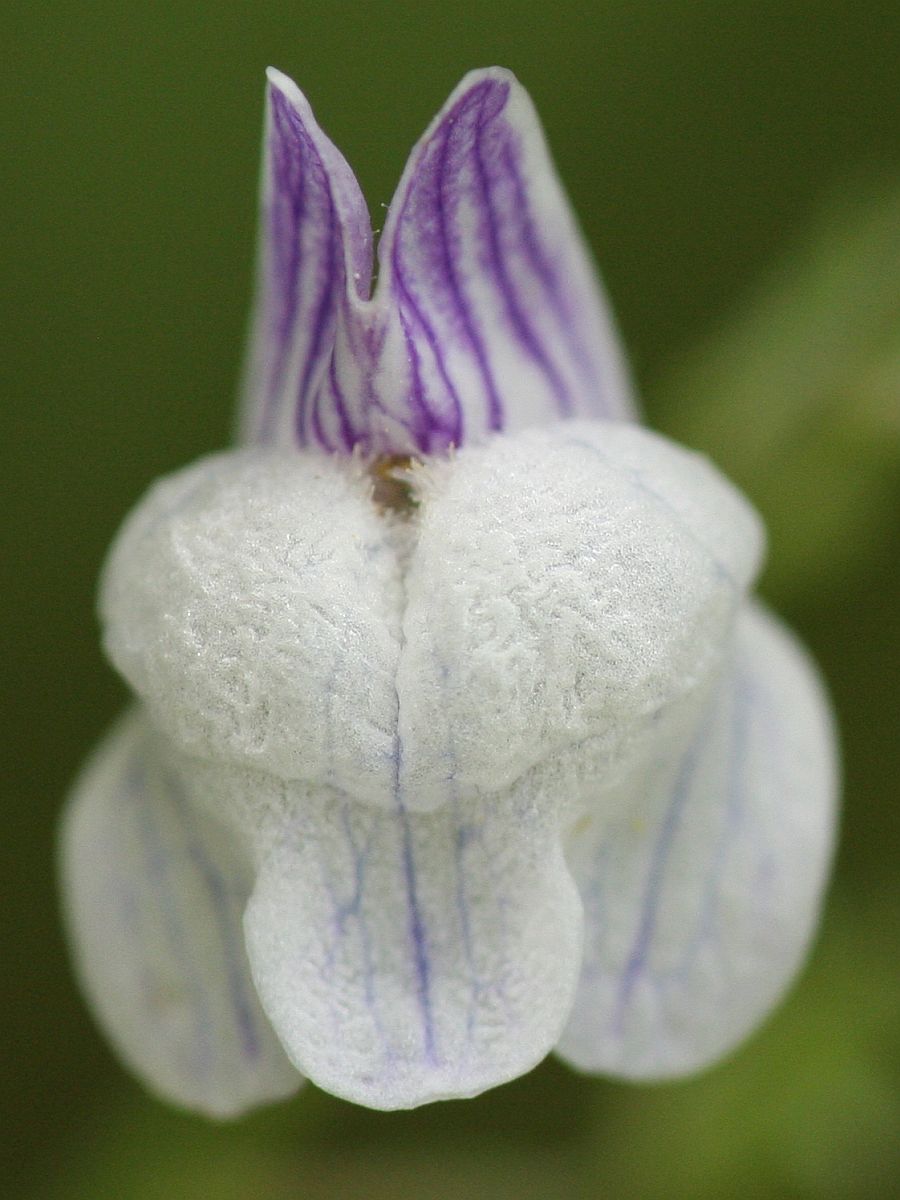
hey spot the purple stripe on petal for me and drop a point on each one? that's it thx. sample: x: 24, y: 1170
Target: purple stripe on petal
x: 649, y: 912
x: 418, y: 939
x: 226, y: 904
x: 594, y: 359
x: 426, y: 262
x: 484, y: 268
x: 348, y: 437
x: 315, y: 261
x: 486, y: 316
x: 159, y: 863
x: 321, y: 331
x: 417, y: 934
x: 448, y: 197
x: 430, y: 426
x: 499, y: 154
x: 284, y: 217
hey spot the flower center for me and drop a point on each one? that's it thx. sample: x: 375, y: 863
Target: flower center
x: 392, y: 488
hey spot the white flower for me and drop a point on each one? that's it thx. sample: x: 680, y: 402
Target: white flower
x: 459, y: 739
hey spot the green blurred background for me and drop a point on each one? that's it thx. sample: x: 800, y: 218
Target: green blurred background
x: 736, y: 166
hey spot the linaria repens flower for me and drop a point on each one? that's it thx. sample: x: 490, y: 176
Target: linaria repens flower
x: 459, y: 739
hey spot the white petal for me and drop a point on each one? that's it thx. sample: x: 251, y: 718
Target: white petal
x: 154, y: 893
x: 253, y: 601
x: 702, y: 879
x: 568, y: 584
x: 406, y: 957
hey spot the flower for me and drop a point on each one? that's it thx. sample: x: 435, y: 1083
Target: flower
x: 458, y: 737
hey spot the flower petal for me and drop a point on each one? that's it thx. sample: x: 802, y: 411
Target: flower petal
x: 253, y: 601
x: 407, y: 957
x: 487, y: 315
x: 501, y: 321
x: 154, y: 893
x: 703, y: 881
x: 568, y: 585
x: 315, y: 261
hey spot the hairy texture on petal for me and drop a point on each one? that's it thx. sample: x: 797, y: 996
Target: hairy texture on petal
x: 315, y: 260
x: 254, y: 601
x: 487, y: 315
x: 568, y: 585
x: 406, y: 957
x: 702, y: 875
x: 500, y: 322
x: 551, y: 589
x: 154, y: 891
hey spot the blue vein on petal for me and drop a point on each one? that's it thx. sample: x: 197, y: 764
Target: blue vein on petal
x: 417, y: 934
x: 735, y: 807
x: 471, y: 120
x: 156, y: 864
x: 455, y: 431
x: 353, y: 909
x: 232, y: 948
x: 416, y: 419
x: 348, y: 436
x: 291, y: 189
x: 290, y: 194
x: 449, y: 130
x: 465, y: 836
x: 441, y: 189
x: 567, y: 322
x: 742, y: 699
x: 659, y: 860
x: 523, y: 330
x: 331, y: 280
x: 431, y: 423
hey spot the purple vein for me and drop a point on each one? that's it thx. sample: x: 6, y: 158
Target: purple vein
x: 494, y: 405
x: 217, y: 891
x: 425, y: 430
x: 365, y: 339
x: 465, y: 836
x: 659, y: 861
x: 523, y: 330
x: 324, y: 311
x: 340, y: 404
x: 158, y: 867
x: 417, y: 933
x: 567, y: 321
x: 354, y: 908
x: 414, y: 310
x: 285, y: 259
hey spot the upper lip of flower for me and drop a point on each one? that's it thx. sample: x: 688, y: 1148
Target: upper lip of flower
x: 486, y: 315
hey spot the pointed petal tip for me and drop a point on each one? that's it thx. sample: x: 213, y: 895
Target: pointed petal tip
x: 499, y: 80
x: 284, y: 86
x: 283, y: 83
x: 479, y: 75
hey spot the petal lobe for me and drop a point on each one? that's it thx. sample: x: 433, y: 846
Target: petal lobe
x: 154, y: 892
x: 702, y: 894
x: 408, y: 957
